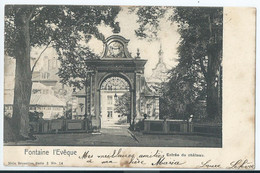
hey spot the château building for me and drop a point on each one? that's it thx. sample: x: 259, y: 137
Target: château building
x: 45, y: 85
x: 159, y: 74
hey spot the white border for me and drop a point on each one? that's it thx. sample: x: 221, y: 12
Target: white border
x: 230, y: 3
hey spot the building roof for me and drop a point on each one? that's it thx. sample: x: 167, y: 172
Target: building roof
x: 37, y: 85
x: 38, y: 99
x: 147, y: 90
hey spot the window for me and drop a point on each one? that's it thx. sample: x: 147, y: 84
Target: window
x: 45, y: 75
x: 109, y: 112
x: 56, y: 108
x: 149, y: 108
x: 109, y: 100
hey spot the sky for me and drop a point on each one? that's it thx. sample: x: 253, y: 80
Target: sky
x: 168, y: 38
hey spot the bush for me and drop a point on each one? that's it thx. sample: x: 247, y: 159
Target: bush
x: 139, y: 126
x: 33, y: 116
x: 8, y: 131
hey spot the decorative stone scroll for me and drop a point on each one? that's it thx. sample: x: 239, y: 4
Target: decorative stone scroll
x: 115, y: 83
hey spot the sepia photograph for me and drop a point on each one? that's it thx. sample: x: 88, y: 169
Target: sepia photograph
x: 109, y: 86
x: 126, y: 76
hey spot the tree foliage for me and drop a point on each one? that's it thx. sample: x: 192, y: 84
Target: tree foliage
x: 148, y: 19
x: 198, y: 74
x: 182, y: 93
x: 201, y: 45
x: 122, y: 105
x: 66, y: 28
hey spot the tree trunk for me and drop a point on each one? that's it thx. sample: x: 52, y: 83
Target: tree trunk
x: 212, y: 100
x: 212, y: 89
x: 214, y: 61
x: 23, y: 76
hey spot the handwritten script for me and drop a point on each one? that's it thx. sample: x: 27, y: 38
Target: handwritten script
x: 127, y: 158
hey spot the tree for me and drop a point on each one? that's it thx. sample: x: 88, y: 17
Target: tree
x: 62, y: 27
x: 122, y: 104
x: 200, y: 49
x: 182, y: 92
x: 201, y: 45
x: 149, y: 19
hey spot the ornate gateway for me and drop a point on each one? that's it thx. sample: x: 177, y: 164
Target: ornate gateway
x: 118, y: 68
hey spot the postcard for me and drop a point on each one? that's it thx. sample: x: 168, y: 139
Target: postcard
x: 129, y: 86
